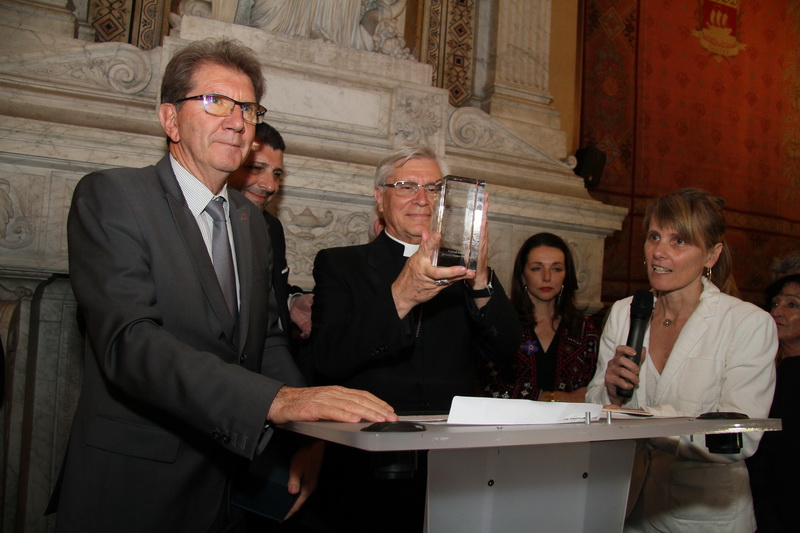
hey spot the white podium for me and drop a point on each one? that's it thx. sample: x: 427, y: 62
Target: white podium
x: 559, y: 477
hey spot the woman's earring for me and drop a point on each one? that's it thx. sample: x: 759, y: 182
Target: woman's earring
x: 707, y: 272
x: 558, y: 298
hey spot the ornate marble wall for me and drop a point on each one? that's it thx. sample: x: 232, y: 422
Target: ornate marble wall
x: 68, y: 107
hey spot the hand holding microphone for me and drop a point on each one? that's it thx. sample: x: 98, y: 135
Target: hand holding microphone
x: 641, y: 309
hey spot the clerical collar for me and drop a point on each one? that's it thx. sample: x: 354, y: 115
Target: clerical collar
x: 408, y: 249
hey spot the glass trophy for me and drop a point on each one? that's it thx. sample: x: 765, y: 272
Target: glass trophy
x: 458, y: 215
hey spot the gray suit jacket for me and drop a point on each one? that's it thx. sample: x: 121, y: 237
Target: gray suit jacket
x: 173, y: 389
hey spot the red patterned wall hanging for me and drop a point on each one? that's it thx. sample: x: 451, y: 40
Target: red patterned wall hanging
x: 705, y: 95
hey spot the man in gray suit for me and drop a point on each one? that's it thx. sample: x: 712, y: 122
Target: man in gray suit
x: 183, y: 379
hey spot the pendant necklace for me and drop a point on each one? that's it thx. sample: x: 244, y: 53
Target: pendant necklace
x: 667, y: 322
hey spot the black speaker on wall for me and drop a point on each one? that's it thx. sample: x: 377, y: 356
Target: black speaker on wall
x: 591, y: 162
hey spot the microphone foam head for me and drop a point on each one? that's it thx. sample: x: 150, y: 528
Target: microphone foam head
x: 642, y: 305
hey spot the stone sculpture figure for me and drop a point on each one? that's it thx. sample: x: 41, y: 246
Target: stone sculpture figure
x: 336, y: 21
x: 370, y: 25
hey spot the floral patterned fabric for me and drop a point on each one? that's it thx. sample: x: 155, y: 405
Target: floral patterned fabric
x: 576, y: 359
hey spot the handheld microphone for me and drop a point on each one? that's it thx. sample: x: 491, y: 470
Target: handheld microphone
x: 641, y: 309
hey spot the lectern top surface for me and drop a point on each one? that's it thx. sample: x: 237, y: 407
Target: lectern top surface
x: 445, y: 436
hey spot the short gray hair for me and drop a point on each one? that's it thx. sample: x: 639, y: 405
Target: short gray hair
x: 403, y: 155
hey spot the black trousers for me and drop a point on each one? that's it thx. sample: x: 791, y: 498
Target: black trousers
x: 355, y: 495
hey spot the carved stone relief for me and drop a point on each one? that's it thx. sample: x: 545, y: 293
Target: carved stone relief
x: 16, y: 229
x: 315, y: 228
x: 418, y: 118
x: 581, y: 266
x: 112, y: 67
x: 33, y: 212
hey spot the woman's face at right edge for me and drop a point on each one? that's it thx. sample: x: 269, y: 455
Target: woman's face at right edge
x: 785, y: 309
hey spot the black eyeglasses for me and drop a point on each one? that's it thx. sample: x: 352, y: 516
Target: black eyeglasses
x: 408, y: 189
x: 222, y: 106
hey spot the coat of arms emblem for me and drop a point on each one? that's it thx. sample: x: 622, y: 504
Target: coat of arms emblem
x: 718, y: 27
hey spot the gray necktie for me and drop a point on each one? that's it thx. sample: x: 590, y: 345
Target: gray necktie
x: 221, y: 253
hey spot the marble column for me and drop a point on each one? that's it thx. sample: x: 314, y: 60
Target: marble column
x: 44, y: 377
x: 515, y: 69
x: 42, y: 382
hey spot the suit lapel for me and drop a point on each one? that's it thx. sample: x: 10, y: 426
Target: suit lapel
x: 692, y: 333
x: 193, y: 241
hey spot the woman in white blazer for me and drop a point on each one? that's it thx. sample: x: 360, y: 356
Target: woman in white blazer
x: 704, y: 351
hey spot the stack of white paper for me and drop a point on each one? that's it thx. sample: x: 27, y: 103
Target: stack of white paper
x: 500, y: 411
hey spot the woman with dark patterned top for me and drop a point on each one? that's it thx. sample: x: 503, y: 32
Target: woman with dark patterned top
x: 558, y: 353
x: 775, y: 467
